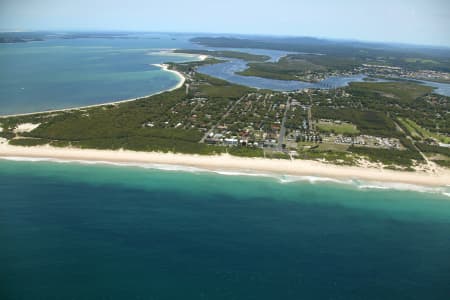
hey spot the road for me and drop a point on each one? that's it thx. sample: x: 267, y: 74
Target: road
x: 430, y: 164
x: 221, y: 119
x: 283, y: 128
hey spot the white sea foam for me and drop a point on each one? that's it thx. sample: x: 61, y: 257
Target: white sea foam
x: 403, y: 187
x: 372, y: 186
x: 31, y: 159
x: 240, y: 173
x: 286, y: 179
x: 280, y: 178
x: 310, y: 179
x: 165, y: 167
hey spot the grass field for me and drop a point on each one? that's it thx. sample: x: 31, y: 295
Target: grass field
x: 343, y: 128
x: 333, y: 147
x: 421, y: 60
x: 419, y: 132
x: 410, y: 129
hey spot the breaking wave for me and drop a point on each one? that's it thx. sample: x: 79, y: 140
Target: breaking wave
x: 284, y: 179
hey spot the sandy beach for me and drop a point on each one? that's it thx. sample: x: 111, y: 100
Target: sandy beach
x: 171, y: 52
x: 178, y: 74
x: 231, y: 164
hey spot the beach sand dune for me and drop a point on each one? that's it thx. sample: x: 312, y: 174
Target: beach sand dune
x: 26, y: 127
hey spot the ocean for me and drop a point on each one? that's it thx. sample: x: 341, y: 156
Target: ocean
x: 94, y: 231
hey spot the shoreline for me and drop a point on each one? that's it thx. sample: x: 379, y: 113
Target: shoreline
x: 180, y: 76
x: 163, y: 67
x: 228, y: 163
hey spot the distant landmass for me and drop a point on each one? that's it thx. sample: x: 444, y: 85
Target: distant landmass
x: 20, y: 37
x: 343, y: 53
x: 23, y: 37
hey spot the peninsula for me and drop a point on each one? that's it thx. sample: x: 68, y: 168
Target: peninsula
x: 375, y: 131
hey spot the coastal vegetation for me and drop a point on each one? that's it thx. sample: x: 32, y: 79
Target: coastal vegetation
x: 367, y: 122
x: 331, y: 156
x: 29, y: 142
x: 297, y: 66
x: 127, y: 125
x: 388, y: 157
x: 433, y: 149
x: 190, y: 66
x: 401, y: 92
x: 419, y: 133
x: 386, y: 123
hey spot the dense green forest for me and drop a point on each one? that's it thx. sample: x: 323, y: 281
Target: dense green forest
x: 368, y: 122
x: 292, y: 66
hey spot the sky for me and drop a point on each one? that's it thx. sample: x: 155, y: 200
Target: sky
x: 425, y: 22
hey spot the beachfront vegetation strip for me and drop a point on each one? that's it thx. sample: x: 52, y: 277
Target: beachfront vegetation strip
x: 379, y: 122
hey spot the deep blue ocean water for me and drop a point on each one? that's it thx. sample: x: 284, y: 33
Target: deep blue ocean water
x: 74, y: 231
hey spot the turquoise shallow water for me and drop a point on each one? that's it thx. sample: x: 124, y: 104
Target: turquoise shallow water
x: 73, y: 231
x: 62, y: 73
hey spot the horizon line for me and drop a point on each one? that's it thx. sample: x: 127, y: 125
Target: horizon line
x: 281, y: 35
